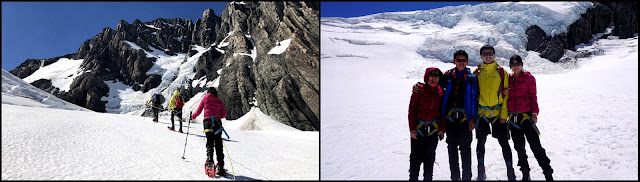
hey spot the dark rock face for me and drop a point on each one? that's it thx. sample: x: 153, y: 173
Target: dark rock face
x: 46, y: 85
x: 151, y: 82
x: 579, y: 32
x: 208, y: 64
x: 625, y: 18
x: 535, y: 35
x: 552, y: 48
x: 286, y: 86
x: 622, y: 15
x: 205, y: 29
x: 87, y: 90
x: 30, y: 66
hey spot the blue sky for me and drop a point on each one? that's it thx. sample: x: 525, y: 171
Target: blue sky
x: 39, y: 30
x: 355, y: 9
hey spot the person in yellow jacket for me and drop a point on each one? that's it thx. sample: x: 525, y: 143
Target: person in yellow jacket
x: 493, y: 86
x: 175, y: 106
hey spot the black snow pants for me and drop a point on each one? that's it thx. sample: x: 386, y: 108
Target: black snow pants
x: 423, y: 150
x: 214, y: 140
x: 459, y: 139
x: 155, y: 114
x: 176, y: 112
x: 500, y: 132
x: 526, y: 129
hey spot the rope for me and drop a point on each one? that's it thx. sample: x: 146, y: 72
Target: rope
x: 232, y: 170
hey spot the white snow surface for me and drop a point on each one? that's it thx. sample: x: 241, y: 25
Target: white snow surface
x: 280, y: 47
x: 588, y: 106
x: 81, y: 145
x: 61, y: 73
x: 15, y: 91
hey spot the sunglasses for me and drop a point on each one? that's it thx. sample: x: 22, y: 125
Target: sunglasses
x: 461, y: 60
x: 515, y: 64
x: 487, y: 54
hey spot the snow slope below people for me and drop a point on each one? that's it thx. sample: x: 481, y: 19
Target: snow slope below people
x: 54, y: 144
x: 15, y: 91
x: 588, y: 107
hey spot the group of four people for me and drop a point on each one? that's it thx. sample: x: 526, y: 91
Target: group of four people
x: 488, y: 100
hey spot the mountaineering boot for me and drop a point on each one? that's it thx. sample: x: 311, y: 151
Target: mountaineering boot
x: 525, y: 174
x: 209, y: 164
x: 547, y: 174
x: 221, y: 171
x: 481, y: 174
x: 209, y: 155
x: 511, y: 175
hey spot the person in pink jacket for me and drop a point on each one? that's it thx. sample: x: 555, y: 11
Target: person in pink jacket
x: 214, y: 111
x: 523, y: 115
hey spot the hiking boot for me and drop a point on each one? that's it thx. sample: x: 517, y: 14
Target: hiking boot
x: 209, y: 164
x: 481, y: 175
x: 511, y: 175
x: 221, y: 171
x: 547, y: 174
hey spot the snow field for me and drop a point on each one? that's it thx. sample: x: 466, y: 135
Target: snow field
x: 72, y: 145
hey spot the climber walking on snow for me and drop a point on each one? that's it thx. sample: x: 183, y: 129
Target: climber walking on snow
x: 214, y: 111
x: 175, y: 106
x: 156, y: 105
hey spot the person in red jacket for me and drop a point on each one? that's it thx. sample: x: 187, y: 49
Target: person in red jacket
x: 214, y: 111
x: 425, y: 124
x: 523, y: 115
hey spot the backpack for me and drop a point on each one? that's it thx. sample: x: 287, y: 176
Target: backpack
x: 500, y: 72
x: 158, y: 99
x: 179, y: 102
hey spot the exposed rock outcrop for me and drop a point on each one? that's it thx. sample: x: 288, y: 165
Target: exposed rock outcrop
x: 621, y: 15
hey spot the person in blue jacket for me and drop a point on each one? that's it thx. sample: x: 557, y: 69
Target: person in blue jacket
x: 460, y: 110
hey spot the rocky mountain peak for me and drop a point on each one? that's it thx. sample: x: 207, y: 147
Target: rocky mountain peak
x: 283, y: 85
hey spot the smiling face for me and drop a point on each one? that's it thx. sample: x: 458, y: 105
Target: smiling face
x: 515, y: 66
x: 433, y: 79
x: 487, y: 56
x: 461, y: 62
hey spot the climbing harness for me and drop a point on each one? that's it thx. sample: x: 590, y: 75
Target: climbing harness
x: 428, y: 126
x: 525, y: 117
x: 213, y: 124
x: 456, y: 110
x: 491, y: 112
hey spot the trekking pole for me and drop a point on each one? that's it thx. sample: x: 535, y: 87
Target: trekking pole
x: 186, y: 138
x: 225, y: 148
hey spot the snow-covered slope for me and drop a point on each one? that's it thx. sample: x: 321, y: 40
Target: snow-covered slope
x: 588, y: 108
x: 42, y: 142
x: 17, y: 92
x: 80, y: 145
x: 124, y: 100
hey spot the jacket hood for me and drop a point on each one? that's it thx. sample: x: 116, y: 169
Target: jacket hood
x: 176, y: 92
x: 428, y: 72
